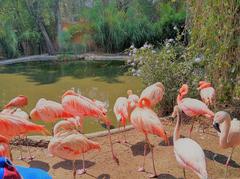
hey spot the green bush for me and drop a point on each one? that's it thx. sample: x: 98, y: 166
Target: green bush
x: 169, y: 65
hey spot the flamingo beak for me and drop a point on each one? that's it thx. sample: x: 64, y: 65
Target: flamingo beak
x: 216, y: 126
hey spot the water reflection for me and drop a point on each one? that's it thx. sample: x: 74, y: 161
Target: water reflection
x: 103, y: 80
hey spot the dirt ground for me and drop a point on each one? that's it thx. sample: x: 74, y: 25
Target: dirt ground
x: 101, y: 166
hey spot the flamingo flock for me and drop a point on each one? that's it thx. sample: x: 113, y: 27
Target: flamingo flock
x: 69, y: 114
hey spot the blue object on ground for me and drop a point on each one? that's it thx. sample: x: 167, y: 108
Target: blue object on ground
x: 9, y: 170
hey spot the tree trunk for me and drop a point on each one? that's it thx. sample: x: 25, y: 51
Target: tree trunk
x: 39, y: 22
x: 57, y: 15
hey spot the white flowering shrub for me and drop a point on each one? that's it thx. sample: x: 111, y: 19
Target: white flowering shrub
x: 169, y: 65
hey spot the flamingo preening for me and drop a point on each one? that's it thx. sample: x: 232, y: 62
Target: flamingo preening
x: 17, y: 102
x: 228, y: 131
x: 192, y: 107
x: 24, y: 116
x: 207, y: 93
x: 78, y: 105
x: 154, y: 93
x: 49, y: 111
x: 188, y: 153
x: 146, y: 121
x: 70, y: 144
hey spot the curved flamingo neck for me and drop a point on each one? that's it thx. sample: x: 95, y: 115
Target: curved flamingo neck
x: 176, y: 133
x: 179, y: 98
x: 224, y: 143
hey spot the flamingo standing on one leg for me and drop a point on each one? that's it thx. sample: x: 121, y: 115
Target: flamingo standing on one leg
x: 120, y: 110
x: 188, y: 153
x: 228, y: 131
x: 78, y: 105
x: 154, y: 93
x: 192, y: 107
x: 145, y: 120
x: 71, y: 145
x: 207, y: 93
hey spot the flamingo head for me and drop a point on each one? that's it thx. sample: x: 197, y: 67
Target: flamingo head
x: 219, y: 118
x: 203, y: 84
x: 129, y: 92
x: 183, y: 90
x: 144, y: 102
x: 35, y: 115
x: 70, y: 92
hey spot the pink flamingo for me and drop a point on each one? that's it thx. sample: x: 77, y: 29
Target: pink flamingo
x: 154, y: 93
x: 228, y: 131
x: 4, y: 147
x: 71, y: 145
x: 120, y: 110
x: 78, y: 105
x: 17, y: 102
x: 67, y: 125
x: 14, y: 126
x: 207, y: 93
x: 145, y: 120
x: 133, y: 100
x: 188, y: 153
x: 192, y: 107
x: 49, y: 111
x: 22, y: 115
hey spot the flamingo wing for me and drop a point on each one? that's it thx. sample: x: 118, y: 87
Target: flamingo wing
x: 18, y: 101
x: 12, y: 126
x: 190, y: 155
x: 193, y: 107
x: 120, y: 109
x: 153, y: 93
x: 146, y: 120
x: 70, y: 145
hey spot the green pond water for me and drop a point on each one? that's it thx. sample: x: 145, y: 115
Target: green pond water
x: 102, y: 80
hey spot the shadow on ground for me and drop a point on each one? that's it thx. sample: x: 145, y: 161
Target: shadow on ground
x: 138, y: 148
x: 39, y: 164
x: 220, y: 158
x: 103, y: 176
x: 67, y: 164
x: 166, y: 176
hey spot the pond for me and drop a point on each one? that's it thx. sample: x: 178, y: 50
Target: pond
x: 102, y: 80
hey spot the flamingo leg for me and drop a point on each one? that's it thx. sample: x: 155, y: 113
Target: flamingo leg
x: 119, y: 131
x: 184, y: 173
x: 154, y: 169
x: 191, y: 129
x: 74, y: 169
x: 31, y: 157
x: 227, y: 163
x: 124, y: 134
x: 21, y: 151
x: 83, y: 170
x: 111, y: 145
x: 142, y: 169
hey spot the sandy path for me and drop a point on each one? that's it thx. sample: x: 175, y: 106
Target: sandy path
x: 101, y: 166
